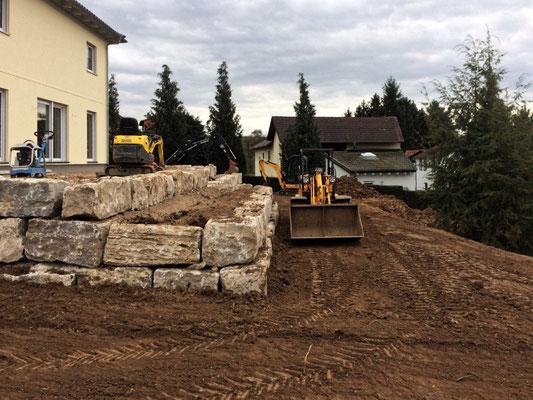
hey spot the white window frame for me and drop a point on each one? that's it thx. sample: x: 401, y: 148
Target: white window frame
x: 64, y: 130
x: 5, y: 14
x: 93, y: 134
x: 92, y: 68
x: 3, y: 122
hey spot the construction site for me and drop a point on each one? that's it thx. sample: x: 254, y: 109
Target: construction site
x: 131, y: 300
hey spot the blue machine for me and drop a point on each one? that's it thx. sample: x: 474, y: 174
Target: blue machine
x: 27, y: 160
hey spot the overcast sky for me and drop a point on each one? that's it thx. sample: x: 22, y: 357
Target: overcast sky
x: 346, y: 49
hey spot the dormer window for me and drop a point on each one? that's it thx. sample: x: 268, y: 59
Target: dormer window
x: 3, y: 16
x: 91, y: 58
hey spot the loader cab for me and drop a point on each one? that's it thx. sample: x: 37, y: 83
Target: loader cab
x: 129, y: 126
x: 296, y: 167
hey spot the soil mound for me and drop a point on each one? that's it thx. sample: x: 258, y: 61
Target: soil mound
x: 352, y: 187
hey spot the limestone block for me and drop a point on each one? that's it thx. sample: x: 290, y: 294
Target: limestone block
x: 188, y: 182
x: 42, y: 278
x: 274, y: 215
x: 12, y: 232
x: 140, y: 192
x: 31, y: 197
x: 231, y: 240
x: 71, y: 242
x: 145, y: 245
x: 186, y: 280
x: 251, y: 278
x: 212, y: 171
x: 100, y: 200
x: 271, y: 229
x: 141, y: 277
x: 263, y: 190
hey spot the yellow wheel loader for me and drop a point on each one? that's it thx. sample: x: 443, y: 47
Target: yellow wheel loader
x: 134, y: 151
x: 317, y: 212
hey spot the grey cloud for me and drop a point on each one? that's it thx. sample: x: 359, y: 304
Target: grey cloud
x: 346, y: 48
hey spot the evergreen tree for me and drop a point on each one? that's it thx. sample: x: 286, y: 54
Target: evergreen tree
x: 440, y: 125
x: 391, y: 98
x: 172, y: 121
x: 304, y: 132
x: 483, y: 176
x: 224, y: 119
x: 114, y: 106
x: 348, y: 113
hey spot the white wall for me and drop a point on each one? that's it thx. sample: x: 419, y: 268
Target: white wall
x: 274, y: 150
x: 422, y: 176
x: 405, y: 179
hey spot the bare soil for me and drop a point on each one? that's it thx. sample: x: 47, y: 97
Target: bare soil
x: 409, y: 312
x: 194, y: 208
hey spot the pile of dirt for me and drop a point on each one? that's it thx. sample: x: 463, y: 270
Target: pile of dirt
x: 194, y: 208
x: 347, y: 185
x: 352, y: 187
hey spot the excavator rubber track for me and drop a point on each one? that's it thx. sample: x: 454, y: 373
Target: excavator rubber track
x: 328, y: 221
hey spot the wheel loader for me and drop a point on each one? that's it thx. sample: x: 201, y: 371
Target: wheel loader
x: 316, y: 211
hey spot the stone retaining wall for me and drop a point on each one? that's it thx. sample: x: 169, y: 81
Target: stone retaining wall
x: 42, y: 223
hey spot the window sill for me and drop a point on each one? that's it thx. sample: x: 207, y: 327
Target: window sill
x: 92, y: 72
x: 4, y: 32
x: 92, y: 162
x: 57, y: 162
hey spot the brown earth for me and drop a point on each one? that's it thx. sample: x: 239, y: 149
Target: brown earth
x: 409, y: 312
x: 194, y: 208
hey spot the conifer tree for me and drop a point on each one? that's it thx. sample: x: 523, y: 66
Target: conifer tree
x: 224, y: 119
x: 172, y: 121
x: 303, y: 133
x: 483, y: 175
x: 114, y: 106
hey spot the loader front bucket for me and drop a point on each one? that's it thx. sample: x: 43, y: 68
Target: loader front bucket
x: 332, y: 221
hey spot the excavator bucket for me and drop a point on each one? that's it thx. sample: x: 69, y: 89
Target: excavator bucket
x: 331, y: 221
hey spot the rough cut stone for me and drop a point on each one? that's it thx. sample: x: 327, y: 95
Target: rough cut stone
x: 99, y: 200
x: 271, y: 229
x: 274, y: 215
x: 231, y: 240
x: 212, y: 171
x: 12, y: 231
x: 186, y: 280
x: 145, y: 245
x: 42, y: 278
x: 140, y: 193
x: 141, y: 277
x: 71, y: 242
x: 252, y: 278
x: 31, y: 197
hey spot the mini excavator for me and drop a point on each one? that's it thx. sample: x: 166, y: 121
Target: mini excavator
x: 316, y: 211
x: 134, y: 151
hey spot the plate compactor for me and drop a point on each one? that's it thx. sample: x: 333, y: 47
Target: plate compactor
x: 317, y: 212
x: 27, y: 160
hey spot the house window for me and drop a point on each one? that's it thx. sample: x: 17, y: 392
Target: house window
x: 91, y: 137
x: 2, y: 124
x: 368, y: 183
x: 53, y: 117
x: 3, y: 16
x: 91, y: 58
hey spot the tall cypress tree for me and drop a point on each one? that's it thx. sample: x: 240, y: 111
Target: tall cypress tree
x: 304, y: 132
x: 224, y: 119
x: 114, y: 105
x: 172, y: 121
x: 483, y: 177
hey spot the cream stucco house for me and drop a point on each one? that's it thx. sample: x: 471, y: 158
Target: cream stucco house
x: 53, y: 75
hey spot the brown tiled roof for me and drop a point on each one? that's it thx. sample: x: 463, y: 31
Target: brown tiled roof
x: 260, y: 145
x: 81, y: 14
x: 345, y: 129
x: 387, y: 161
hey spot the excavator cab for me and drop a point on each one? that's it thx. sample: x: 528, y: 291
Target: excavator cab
x: 317, y: 212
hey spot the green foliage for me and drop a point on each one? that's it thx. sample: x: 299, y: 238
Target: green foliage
x: 247, y: 143
x: 304, y: 132
x: 224, y: 119
x: 114, y: 106
x: 412, y: 121
x: 172, y: 121
x: 483, y: 170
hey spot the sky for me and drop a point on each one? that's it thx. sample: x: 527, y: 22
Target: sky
x: 346, y: 49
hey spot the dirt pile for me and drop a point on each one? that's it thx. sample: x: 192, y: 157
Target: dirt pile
x: 347, y: 185
x: 352, y: 187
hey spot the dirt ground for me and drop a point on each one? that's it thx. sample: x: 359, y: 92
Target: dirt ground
x: 409, y: 312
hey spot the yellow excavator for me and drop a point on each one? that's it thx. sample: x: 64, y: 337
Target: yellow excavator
x: 136, y: 151
x: 316, y: 211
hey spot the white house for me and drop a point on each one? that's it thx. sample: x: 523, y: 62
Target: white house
x: 423, y: 171
x: 368, y: 148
